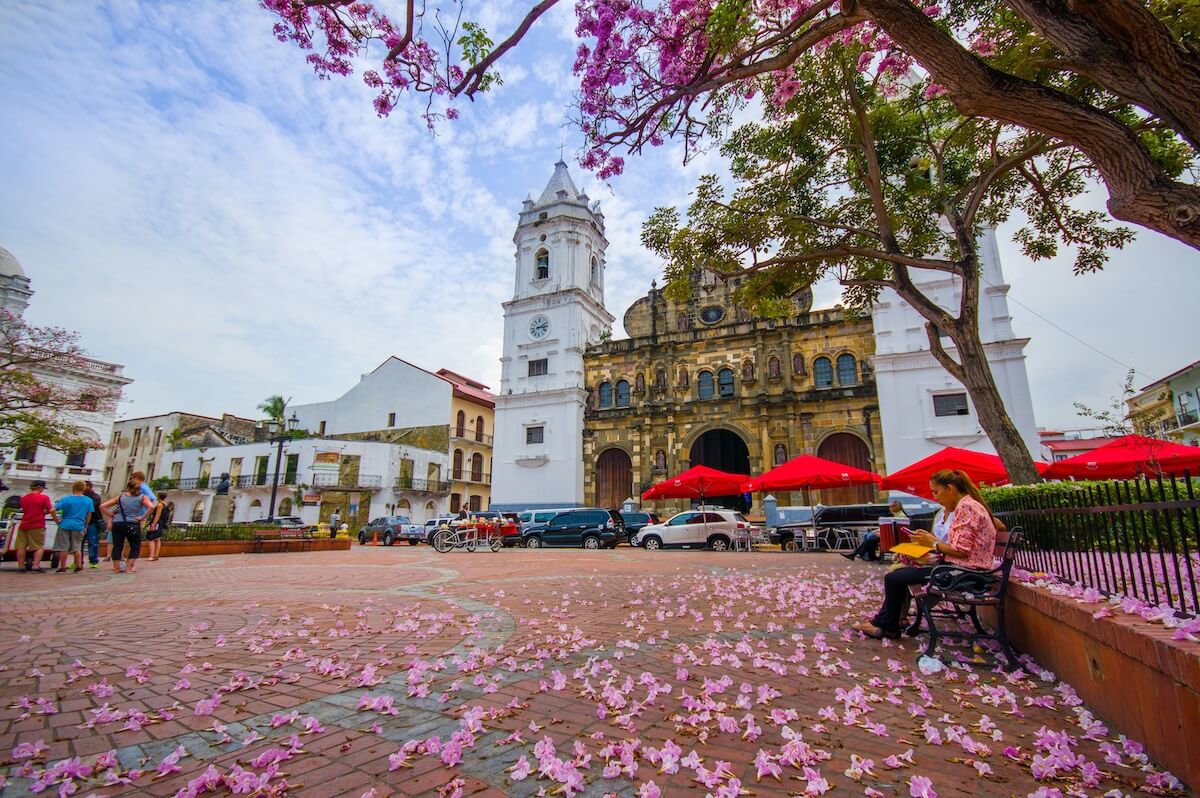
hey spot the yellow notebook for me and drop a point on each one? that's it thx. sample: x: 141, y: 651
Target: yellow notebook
x: 914, y: 550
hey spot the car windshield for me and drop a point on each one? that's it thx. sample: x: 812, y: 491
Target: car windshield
x: 525, y: 517
x: 636, y: 518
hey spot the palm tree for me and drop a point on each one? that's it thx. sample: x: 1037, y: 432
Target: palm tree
x: 275, y: 407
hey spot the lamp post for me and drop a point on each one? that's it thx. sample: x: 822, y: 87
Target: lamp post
x: 279, y: 435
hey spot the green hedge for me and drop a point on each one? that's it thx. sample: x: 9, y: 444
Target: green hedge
x: 211, y: 532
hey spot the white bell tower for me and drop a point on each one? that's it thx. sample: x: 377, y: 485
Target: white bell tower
x: 557, y: 309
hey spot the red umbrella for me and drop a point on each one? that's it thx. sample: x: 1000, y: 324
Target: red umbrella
x: 806, y: 472
x: 1128, y: 457
x: 696, y: 483
x: 979, y: 466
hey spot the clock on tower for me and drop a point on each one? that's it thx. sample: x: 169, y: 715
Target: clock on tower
x: 539, y: 327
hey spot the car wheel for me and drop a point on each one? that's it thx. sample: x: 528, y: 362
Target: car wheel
x: 789, y: 544
x: 387, y: 539
x: 591, y: 542
x: 533, y: 542
x: 413, y: 541
x: 718, y: 543
x: 362, y: 539
x: 652, y: 544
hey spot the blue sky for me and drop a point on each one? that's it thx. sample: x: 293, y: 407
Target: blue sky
x: 184, y: 192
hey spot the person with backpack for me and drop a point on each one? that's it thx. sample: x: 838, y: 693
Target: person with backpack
x: 125, y: 523
x: 159, y: 522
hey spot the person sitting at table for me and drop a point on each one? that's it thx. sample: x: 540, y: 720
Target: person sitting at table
x: 868, y: 549
x: 971, y: 541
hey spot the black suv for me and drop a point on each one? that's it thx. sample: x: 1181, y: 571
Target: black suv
x: 860, y: 518
x: 589, y: 527
x: 636, y: 521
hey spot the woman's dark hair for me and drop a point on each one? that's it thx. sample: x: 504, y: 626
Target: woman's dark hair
x: 132, y: 488
x: 960, y: 482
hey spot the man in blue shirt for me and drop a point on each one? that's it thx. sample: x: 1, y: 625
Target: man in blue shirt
x: 75, y: 512
x: 140, y: 479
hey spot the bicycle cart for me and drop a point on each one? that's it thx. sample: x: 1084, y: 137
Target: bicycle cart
x: 466, y: 536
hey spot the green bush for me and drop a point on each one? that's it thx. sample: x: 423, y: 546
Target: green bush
x: 210, y: 532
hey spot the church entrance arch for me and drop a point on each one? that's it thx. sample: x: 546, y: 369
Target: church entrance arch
x: 847, y: 449
x: 723, y: 450
x: 614, y: 478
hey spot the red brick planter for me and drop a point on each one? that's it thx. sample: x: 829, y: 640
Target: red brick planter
x: 1129, y: 671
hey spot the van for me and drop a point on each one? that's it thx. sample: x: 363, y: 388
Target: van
x: 538, y: 516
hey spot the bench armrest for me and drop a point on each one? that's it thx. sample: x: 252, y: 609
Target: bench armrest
x: 950, y: 578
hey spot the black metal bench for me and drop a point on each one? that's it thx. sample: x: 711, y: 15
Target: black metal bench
x: 283, y: 540
x: 957, y: 593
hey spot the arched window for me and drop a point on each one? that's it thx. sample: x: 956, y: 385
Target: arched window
x: 823, y: 372
x: 403, y: 507
x: 477, y: 467
x: 478, y: 428
x: 622, y: 393
x: 725, y: 381
x: 285, y: 507
x: 773, y: 367
x: 430, y: 510
x: 595, y: 271
x: 605, y: 395
x: 639, y: 383
x: 460, y: 424
x: 780, y: 454
x: 542, y: 265
x: 847, y: 370
x: 704, y: 384
x: 798, y: 365
x: 458, y: 462
x: 198, y: 512
x: 660, y: 378
x: 455, y: 502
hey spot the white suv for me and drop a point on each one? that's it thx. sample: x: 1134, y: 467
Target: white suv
x: 695, y: 529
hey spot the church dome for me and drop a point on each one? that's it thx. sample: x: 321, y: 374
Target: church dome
x: 9, y: 265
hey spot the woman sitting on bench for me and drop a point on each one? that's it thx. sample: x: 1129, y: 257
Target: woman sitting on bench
x: 971, y: 542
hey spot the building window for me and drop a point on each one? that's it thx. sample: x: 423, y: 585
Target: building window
x: 535, y: 435
x: 605, y: 395
x: 950, y: 404
x: 623, y: 393
x: 458, y: 464
x: 321, y: 428
x: 476, y: 503
x: 455, y: 502
x: 149, y: 471
x: 391, y: 419
x: 725, y: 382
x: 477, y: 467
x: 798, y: 364
x: 137, y: 440
x: 595, y: 272
x: 116, y: 439
x: 157, y: 440
x: 88, y: 402
x: 704, y: 384
x: 27, y: 454
x: 291, y: 468
x: 542, y: 265
x: 847, y: 370
x: 773, y: 368
x: 823, y: 372
x: 712, y: 314
x: 780, y: 454
x: 479, y: 428
x: 539, y: 367
x: 198, y: 512
x: 460, y: 425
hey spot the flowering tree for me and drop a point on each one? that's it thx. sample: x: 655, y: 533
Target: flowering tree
x: 35, y: 408
x: 1118, y: 80
x: 879, y: 183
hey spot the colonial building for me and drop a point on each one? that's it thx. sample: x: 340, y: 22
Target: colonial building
x: 143, y: 444
x: 19, y: 467
x: 703, y: 382
x: 472, y: 430
x: 923, y: 408
x: 1169, y: 407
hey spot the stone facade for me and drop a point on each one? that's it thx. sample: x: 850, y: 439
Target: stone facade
x: 779, y: 388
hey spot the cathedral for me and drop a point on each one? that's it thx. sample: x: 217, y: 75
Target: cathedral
x: 586, y: 419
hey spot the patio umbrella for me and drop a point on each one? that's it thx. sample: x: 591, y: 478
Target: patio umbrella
x: 806, y: 472
x: 696, y: 483
x: 1128, y: 457
x: 979, y: 466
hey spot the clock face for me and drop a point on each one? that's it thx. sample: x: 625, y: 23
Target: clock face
x: 539, y: 327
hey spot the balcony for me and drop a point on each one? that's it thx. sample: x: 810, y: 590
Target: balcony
x: 361, y: 482
x: 422, y: 485
x: 470, y: 436
x: 479, y: 477
x: 1185, y: 418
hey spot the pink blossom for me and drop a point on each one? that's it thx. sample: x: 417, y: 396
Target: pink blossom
x: 921, y: 787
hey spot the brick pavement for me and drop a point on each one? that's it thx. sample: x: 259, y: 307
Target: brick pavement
x: 619, y: 672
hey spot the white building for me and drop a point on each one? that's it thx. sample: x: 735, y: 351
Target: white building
x: 922, y: 408
x: 557, y: 309
x: 19, y: 467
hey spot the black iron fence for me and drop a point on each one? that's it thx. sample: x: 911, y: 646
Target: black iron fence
x: 1132, y: 537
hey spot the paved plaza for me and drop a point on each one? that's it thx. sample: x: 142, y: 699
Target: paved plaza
x: 405, y: 672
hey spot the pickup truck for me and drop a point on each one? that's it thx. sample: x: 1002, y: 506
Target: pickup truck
x: 390, y: 529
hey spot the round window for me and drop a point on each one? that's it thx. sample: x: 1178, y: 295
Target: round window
x: 712, y: 314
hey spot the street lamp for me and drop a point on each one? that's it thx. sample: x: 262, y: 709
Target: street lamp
x: 280, y: 436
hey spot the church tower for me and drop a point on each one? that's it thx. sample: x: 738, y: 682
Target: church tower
x: 557, y: 309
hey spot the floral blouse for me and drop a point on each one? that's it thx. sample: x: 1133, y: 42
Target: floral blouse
x: 972, y: 531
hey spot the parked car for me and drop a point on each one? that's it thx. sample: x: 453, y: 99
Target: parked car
x: 434, y: 524
x: 696, y: 529
x: 589, y: 527
x: 636, y: 521
x: 530, y: 517
x: 839, y: 526
x: 796, y: 524
x: 391, y: 528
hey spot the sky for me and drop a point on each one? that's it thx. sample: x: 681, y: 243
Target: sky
x: 185, y: 193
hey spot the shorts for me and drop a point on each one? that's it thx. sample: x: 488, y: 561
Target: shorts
x: 155, y: 534
x: 30, y: 538
x: 68, y: 540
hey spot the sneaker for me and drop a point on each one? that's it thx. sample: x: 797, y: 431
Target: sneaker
x: 94, y: 565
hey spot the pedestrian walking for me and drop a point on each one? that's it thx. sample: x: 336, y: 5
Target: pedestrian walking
x: 334, y: 526
x: 31, y: 532
x: 75, y: 513
x: 124, y: 514
x: 91, y: 538
x: 159, y: 521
